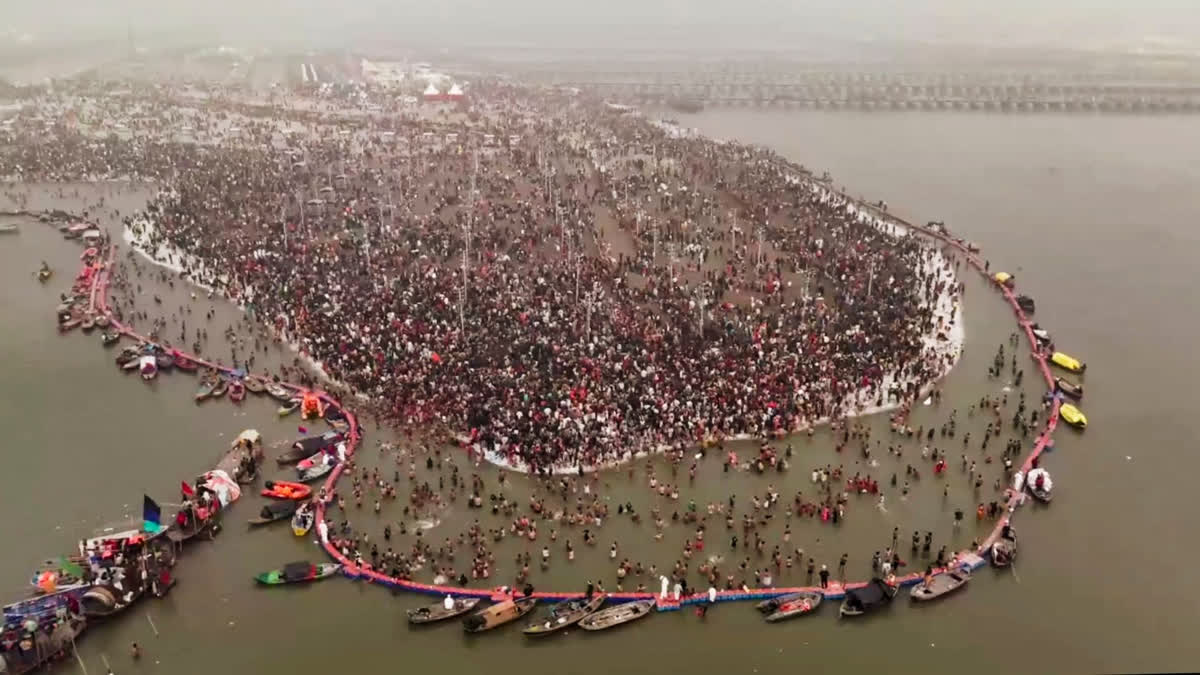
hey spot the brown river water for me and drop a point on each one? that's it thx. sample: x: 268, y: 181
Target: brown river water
x: 1094, y: 215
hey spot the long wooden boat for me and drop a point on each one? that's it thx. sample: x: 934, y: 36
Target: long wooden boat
x: 185, y: 364
x: 221, y: 387
x: 275, y: 511
x: 800, y: 604
x: 866, y: 599
x: 1004, y: 549
x: 205, y: 390
x: 279, y: 392
x: 127, y: 354
x: 439, y: 611
x: 255, y: 385
x: 298, y: 572
x: 1069, y: 388
x: 237, y: 391
x: 315, y: 472
x: 109, y: 339
x: 565, y: 615
x: 611, y: 617
x: 771, y: 604
x: 498, y: 614
x: 939, y: 585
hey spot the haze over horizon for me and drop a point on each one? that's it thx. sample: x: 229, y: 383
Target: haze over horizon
x: 702, y: 24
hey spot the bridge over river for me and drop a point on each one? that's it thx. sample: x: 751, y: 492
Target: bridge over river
x: 875, y: 89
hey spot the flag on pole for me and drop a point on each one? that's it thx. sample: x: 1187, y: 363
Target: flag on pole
x: 186, y: 489
x: 151, y: 514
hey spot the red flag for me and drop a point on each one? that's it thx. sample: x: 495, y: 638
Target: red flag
x: 186, y: 489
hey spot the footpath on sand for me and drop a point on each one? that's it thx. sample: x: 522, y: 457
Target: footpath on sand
x: 96, y: 273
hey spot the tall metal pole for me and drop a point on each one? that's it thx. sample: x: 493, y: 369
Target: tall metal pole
x: 655, y: 259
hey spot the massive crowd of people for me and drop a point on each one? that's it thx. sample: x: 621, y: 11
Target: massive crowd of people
x: 564, y: 283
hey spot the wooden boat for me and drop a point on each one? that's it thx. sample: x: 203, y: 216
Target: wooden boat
x: 315, y: 472
x: 103, y: 321
x: 298, y: 572
x: 220, y: 388
x: 611, y: 617
x: 771, y: 604
x: 275, y: 511
x: 285, y: 410
x: 185, y: 364
x: 128, y: 354
x: 255, y: 385
x: 9, y: 228
x: 303, y: 521
x: 939, y: 585
x: 44, y: 275
x: 278, y: 392
x: 282, y: 489
x: 245, y: 478
x: 498, y: 614
x: 1004, y: 549
x: 1069, y: 388
x: 130, y: 366
x: 311, y: 445
x: 237, y: 391
x: 110, y: 339
x: 205, y: 390
x: 439, y: 612
x: 165, y: 361
x: 88, y: 325
x: 314, y: 460
x: 42, y: 648
x: 565, y: 615
x: 866, y: 599
x: 806, y: 603
x: 107, y: 600
x: 68, y: 325
x: 1026, y: 304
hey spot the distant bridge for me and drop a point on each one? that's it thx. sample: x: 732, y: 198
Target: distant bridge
x: 806, y: 87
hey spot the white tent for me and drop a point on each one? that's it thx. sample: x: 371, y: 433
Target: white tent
x: 455, y: 91
x: 431, y: 91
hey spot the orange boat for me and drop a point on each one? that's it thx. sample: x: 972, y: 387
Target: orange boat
x: 282, y: 489
x: 310, y: 406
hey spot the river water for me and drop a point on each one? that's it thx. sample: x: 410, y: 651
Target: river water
x: 1095, y: 217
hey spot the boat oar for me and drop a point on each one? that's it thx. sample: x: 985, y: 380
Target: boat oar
x: 1013, y: 567
x: 77, y: 656
x: 152, y: 626
x: 107, y: 667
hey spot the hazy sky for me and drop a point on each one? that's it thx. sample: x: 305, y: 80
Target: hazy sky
x: 1070, y: 23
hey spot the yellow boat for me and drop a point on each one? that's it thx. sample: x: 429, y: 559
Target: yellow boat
x: 1003, y: 279
x: 1072, y: 415
x: 1068, y: 362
